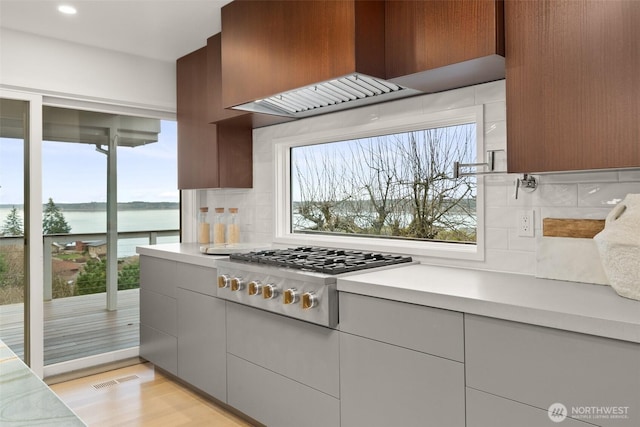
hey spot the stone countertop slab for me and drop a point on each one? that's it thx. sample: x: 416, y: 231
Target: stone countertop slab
x: 25, y: 400
x: 571, y: 306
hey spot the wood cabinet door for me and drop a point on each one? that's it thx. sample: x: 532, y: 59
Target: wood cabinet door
x: 215, y: 111
x: 197, y: 139
x: 423, y: 35
x: 573, y: 92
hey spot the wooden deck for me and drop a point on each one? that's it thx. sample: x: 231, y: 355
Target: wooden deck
x: 77, y: 327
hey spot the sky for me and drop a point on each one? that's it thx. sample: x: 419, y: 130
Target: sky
x: 76, y: 173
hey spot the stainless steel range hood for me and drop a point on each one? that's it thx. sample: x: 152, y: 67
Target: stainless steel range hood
x: 354, y: 90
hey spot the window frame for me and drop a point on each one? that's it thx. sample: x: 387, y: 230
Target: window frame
x: 378, y: 126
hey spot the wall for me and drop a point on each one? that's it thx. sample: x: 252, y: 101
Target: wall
x: 571, y: 195
x: 72, y: 70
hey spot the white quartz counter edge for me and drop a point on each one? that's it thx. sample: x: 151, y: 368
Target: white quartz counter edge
x: 182, y: 252
x: 578, y: 307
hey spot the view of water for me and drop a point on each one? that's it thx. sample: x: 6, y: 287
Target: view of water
x: 128, y: 220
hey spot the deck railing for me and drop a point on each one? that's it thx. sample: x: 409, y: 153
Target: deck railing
x: 48, y: 241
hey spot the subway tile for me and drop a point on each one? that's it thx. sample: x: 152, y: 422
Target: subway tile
x: 574, y: 212
x: 518, y: 243
x: 496, y: 238
x: 448, y: 100
x: 495, y: 135
x: 510, y: 261
x: 630, y: 175
x: 581, y: 177
x: 500, y: 217
x: 556, y: 195
x: 495, y: 111
x: 605, y: 194
x: 490, y: 92
x: 402, y: 108
x: 495, y: 196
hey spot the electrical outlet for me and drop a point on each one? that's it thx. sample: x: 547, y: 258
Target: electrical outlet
x: 525, y: 223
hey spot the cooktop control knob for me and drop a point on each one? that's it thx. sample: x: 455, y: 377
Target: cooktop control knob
x: 254, y: 288
x: 223, y: 281
x: 237, y: 284
x: 290, y: 296
x: 269, y: 291
x: 309, y: 300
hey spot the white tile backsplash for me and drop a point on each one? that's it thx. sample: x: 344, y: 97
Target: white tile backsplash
x: 605, y: 194
x: 568, y: 195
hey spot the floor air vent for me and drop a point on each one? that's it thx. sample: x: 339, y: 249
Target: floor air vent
x: 115, y: 382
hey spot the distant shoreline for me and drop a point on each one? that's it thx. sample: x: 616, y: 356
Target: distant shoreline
x: 102, y: 206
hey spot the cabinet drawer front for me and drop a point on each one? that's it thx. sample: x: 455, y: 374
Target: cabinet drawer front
x: 197, y: 278
x: 278, y: 401
x: 540, y: 366
x: 159, y: 348
x: 385, y: 385
x: 298, y: 350
x: 202, y: 350
x: 159, y: 312
x: 487, y: 410
x: 158, y: 275
x: 426, y: 329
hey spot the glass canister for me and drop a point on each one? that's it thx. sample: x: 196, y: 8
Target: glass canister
x: 233, y: 228
x: 204, y: 235
x: 218, y: 227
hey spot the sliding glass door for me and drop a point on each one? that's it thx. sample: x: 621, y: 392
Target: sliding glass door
x: 108, y: 185
x: 20, y: 227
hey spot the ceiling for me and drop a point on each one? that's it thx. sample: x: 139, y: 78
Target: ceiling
x: 158, y: 29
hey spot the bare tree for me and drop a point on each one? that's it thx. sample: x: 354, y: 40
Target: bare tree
x: 395, y: 185
x: 438, y: 203
x: 322, y: 179
x: 376, y: 177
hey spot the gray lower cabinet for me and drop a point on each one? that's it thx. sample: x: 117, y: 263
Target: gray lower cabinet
x: 385, y: 385
x: 158, y: 313
x: 597, y: 379
x: 488, y: 410
x: 275, y: 400
x: 202, y: 356
x: 281, y: 371
x: 400, y: 364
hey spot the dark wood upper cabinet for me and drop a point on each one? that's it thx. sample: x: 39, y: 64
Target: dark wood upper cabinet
x: 273, y: 46
x: 209, y: 155
x: 573, y: 85
x: 216, y: 112
x: 434, y: 45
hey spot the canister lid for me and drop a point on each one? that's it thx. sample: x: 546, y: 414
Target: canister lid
x: 219, y: 210
x: 205, y: 209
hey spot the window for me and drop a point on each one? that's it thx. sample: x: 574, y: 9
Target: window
x: 388, y: 188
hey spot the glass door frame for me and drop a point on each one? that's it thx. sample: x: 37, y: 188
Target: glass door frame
x: 33, y: 274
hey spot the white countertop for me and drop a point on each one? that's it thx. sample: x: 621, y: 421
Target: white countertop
x: 578, y: 307
x: 190, y: 252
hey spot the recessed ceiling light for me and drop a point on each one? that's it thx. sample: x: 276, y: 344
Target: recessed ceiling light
x: 67, y: 9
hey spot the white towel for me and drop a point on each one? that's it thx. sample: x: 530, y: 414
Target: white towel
x: 619, y: 247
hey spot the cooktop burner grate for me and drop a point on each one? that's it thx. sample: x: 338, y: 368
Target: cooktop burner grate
x: 321, y: 260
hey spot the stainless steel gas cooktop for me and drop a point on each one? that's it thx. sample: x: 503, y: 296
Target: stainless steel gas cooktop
x: 296, y: 282
x: 321, y: 260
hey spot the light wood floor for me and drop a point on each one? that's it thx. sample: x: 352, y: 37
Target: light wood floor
x: 139, y: 396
